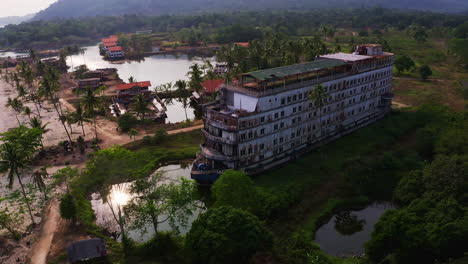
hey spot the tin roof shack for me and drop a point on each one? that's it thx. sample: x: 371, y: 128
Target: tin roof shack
x: 87, y: 250
x: 127, y: 91
x: 58, y: 64
x: 212, y: 86
x: 94, y: 74
x: 93, y: 83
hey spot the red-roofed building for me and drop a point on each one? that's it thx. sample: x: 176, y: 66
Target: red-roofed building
x: 211, y: 86
x: 115, y: 52
x: 129, y: 90
x: 110, y: 44
x: 242, y: 44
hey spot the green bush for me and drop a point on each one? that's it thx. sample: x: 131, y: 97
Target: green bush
x: 67, y: 207
x: 127, y: 121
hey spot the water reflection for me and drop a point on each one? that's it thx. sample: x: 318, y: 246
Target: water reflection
x: 159, y: 69
x: 119, y: 195
x: 346, y: 232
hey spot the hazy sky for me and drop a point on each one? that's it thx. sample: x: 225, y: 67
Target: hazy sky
x: 22, y: 7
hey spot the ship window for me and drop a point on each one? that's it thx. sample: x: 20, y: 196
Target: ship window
x: 262, y: 119
x: 275, y: 142
x: 292, y: 135
x: 242, y: 136
x: 300, y: 96
x: 282, y: 113
x: 250, y: 134
x: 262, y: 146
x: 281, y: 139
x: 262, y: 157
x: 281, y: 149
x: 242, y: 152
x: 294, y: 97
x: 289, y: 99
x: 299, y: 119
x: 276, y: 126
x: 276, y: 115
x: 281, y: 125
x: 300, y: 108
x: 250, y: 150
x: 294, y: 110
x: 262, y: 131
x: 283, y: 101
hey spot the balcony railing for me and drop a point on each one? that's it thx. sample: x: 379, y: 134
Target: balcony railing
x: 218, y: 139
x: 215, y: 155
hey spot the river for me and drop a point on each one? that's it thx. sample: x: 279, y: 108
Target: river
x: 346, y: 232
x: 120, y: 195
x: 159, y: 69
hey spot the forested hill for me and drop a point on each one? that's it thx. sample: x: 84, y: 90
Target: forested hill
x: 86, y: 8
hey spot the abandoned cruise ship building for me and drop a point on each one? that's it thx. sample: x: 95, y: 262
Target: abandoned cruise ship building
x: 267, y: 117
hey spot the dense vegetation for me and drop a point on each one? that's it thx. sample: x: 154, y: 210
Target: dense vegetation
x: 83, y: 8
x: 222, y: 27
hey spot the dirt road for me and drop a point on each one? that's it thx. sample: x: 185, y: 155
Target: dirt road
x: 40, y: 250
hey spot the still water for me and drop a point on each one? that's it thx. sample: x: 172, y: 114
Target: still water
x: 120, y: 195
x: 159, y: 69
x: 347, y: 232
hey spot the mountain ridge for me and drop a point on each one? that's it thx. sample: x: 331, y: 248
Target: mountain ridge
x: 90, y: 8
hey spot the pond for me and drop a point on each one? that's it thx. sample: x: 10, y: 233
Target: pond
x: 120, y: 195
x: 159, y: 69
x: 347, y: 231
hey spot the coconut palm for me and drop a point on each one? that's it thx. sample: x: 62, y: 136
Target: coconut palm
x: 183, y: 95
x: 196, y: 78
x: 91, y: 104
x: 320, y: 96
x: 37, y: 123
x: 48, y: 89
x: 140, y: 106
x: 13, y: 158
x: 17, y: 106
x: 38, y: 179
x: 132, y: 79
x: 133, y: 133
x: 79, y: 117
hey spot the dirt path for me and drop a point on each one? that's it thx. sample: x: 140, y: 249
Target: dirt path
x: 40, y: 250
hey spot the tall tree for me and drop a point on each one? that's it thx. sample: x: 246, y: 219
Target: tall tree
x: 91, y: 104
x: 140, y: 106
x: 319, y: 96
x: 183, y: 95
x: 159, y: 201
x: 48, y: 89
x: 79, y: 116
x: 19, y: 147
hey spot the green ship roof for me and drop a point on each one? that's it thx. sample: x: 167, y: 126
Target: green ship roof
x: 294, y: 69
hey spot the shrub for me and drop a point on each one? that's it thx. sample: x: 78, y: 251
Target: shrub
x: 127, y: 121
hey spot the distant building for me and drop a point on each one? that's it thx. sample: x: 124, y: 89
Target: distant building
x: 242, y: 44
x: 127, y: 91
x: 115, y: 53
x: 87, y: 250
x: 267, y: 118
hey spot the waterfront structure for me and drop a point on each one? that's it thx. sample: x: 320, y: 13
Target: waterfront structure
x: 115, y: 53
x: 266, y: 118
x: 127, y: 91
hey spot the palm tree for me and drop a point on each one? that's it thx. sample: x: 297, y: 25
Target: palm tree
x: 37, y: 123
x: 12, y: 160
x: 196, y: 78
x: 79, y: 117
x: 91, y: 103
x: 16, y: 105
x: 183, y: 95
x: 140, y: 106
x: 48, y: 89
x: 320, y: 96
x: 133, y: 133
x: 132, y: 79
x: 38, y: 179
